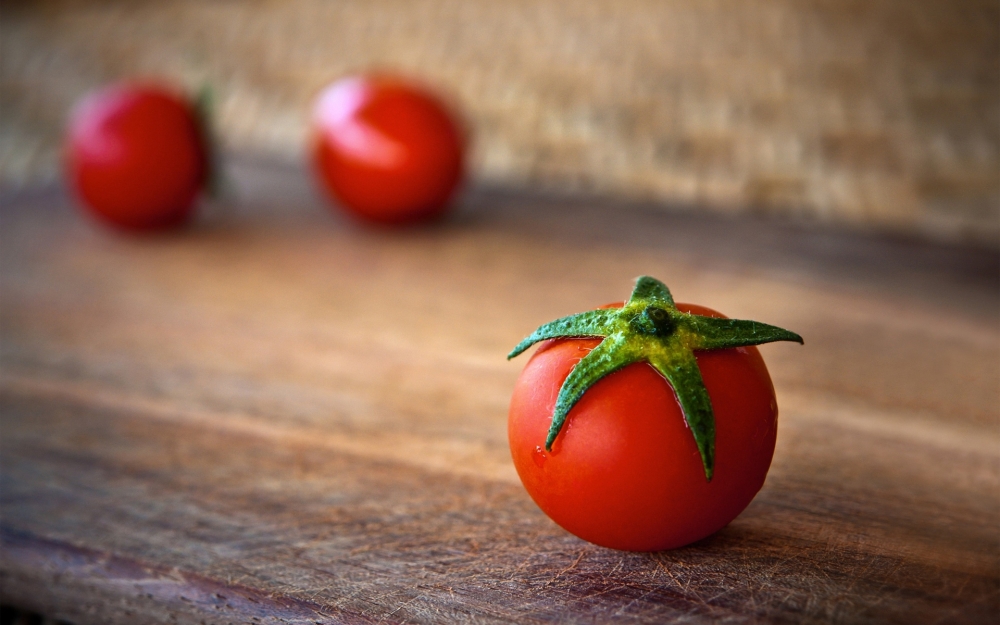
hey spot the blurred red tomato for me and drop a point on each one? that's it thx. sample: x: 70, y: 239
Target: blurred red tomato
x: 387, y: 150
x: 136, y: 156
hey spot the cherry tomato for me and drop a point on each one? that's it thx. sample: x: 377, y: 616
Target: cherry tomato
x: 625, y: 471
x: 136, y: 156
x: 387, y: 151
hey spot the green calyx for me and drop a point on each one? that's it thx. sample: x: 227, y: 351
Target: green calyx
x: 650, y: 328
x: 204, y: 111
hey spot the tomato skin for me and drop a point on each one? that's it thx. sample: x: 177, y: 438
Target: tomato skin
x: 387, y: 151
x: 625, y: 472
x: 136, y: 156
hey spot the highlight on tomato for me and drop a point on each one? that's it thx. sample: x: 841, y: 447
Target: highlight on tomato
x: 645, y: 425
x: 137, y: 156
x: 386, y: 150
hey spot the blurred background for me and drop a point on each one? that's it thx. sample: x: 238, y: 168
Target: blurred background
x: 880, y: 115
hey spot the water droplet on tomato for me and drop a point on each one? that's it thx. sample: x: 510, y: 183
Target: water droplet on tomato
x: 539, y: 456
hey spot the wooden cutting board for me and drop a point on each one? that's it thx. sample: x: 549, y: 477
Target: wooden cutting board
x: 278, y: 416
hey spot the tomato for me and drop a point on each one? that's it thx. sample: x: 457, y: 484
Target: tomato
x: 625, y: 472
x: 136, y: 156
x: 388, y: 151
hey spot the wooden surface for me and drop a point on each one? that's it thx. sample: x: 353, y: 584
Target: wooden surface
x: 279, y: 417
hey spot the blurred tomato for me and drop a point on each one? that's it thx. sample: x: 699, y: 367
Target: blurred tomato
x: 388, y: 151
x: 136, y: 156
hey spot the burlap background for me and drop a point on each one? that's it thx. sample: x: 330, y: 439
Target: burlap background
x: 882, y: 113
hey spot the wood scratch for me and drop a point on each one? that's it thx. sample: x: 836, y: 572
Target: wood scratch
x: 565, y: 570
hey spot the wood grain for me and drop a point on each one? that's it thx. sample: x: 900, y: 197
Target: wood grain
x: 280, y: 417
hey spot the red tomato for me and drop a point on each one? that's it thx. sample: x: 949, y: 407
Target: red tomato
x: 388, y: 151
x: 136, y: 156
x: 625, y: 471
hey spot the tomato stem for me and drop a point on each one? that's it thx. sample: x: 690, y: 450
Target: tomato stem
x: 649, y: 328
x: 204, y: 108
